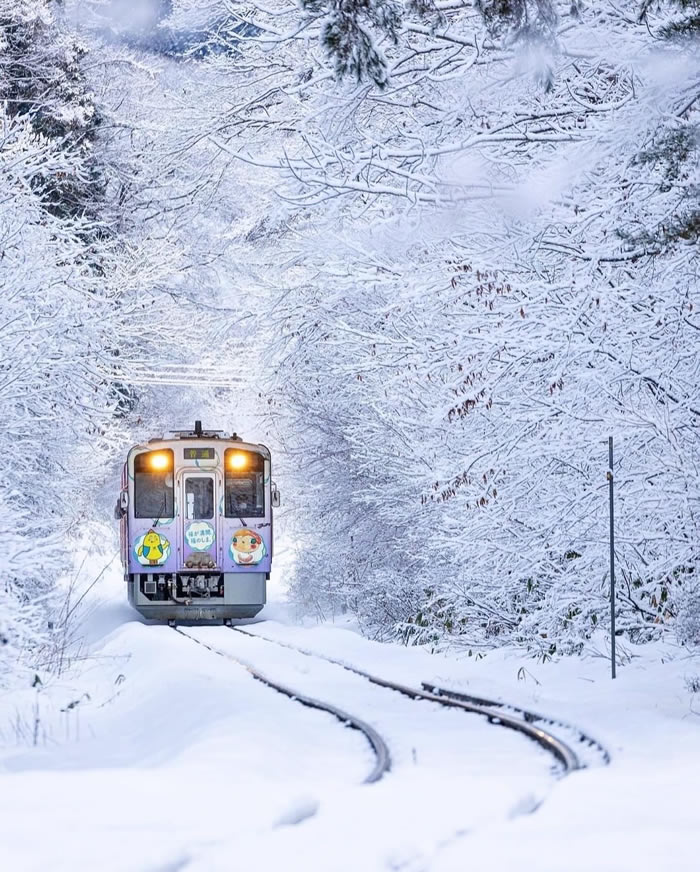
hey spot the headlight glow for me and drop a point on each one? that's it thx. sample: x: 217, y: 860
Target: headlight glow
x: 159, y: 461
x: 238, y: 460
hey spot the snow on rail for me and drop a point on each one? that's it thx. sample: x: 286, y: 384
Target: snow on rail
x: 527, y: 715
x: 381, y: 752
x: 493, y: 711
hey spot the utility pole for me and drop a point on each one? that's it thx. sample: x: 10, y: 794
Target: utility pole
x: 612, y: 555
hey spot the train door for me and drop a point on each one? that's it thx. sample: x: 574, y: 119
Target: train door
x: 199, y: 520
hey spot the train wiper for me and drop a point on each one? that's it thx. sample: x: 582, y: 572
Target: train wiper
x: 160, y: 512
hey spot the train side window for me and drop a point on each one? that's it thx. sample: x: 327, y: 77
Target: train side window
x: 154, y: 492
x: 244, y: 484
x: 199, y: 498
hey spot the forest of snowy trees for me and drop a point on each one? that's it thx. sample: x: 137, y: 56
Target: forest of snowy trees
x: 91, y: 251
x: 447, y: 247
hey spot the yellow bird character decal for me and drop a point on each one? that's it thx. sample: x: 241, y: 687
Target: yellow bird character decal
x: 153, y: 550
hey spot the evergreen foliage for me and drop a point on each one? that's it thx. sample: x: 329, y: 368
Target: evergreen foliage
x: 521, y: 19
x: 671, y: 155
x: 349, y: 32
x: 41, y: 80
x: 684, y: 22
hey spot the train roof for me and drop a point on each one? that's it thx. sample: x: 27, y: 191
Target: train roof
x: 197, y: 433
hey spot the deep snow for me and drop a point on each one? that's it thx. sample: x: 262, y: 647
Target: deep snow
x: 171, y: 757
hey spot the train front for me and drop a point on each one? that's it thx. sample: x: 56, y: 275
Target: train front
x: 196, y: 527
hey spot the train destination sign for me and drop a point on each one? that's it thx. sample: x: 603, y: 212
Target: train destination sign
x: 199, y: 453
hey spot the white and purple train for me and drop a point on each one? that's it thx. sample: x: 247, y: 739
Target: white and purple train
x: 195, y: 511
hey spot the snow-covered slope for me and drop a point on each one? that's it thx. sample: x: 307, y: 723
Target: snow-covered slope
x: 154, y: 753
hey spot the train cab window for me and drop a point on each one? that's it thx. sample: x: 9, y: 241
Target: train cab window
x: 199, y: 498
x: 245, y: 484
x: 154, y: 492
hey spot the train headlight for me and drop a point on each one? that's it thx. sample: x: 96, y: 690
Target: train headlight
x: 238, y: 460
x: 159, y: 461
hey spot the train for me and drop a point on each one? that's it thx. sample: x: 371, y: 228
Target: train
x: 195, y: 511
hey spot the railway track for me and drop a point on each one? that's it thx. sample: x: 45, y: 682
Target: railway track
x: 497, y: 713
x: 527, y: 715
x: 530, y: 724
x: 382, y: 757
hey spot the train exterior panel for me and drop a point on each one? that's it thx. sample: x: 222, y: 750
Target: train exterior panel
x: 196, y: 515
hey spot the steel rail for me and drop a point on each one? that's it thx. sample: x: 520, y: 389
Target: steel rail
x: 527, y: 714
x: 381, y: 752
x: 566, y: 756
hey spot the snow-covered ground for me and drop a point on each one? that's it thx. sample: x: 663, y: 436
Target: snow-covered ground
x: 153, y: 753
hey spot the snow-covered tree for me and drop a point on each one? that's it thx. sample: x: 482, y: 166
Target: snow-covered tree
x: 448, y: 248
x: 77, y: 280
x: 486, y: 264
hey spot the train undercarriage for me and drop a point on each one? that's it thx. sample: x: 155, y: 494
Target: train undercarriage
x: 197, y: 596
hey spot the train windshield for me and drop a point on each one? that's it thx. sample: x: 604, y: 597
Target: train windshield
x: 154, y: 492
x: 245, y: 484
